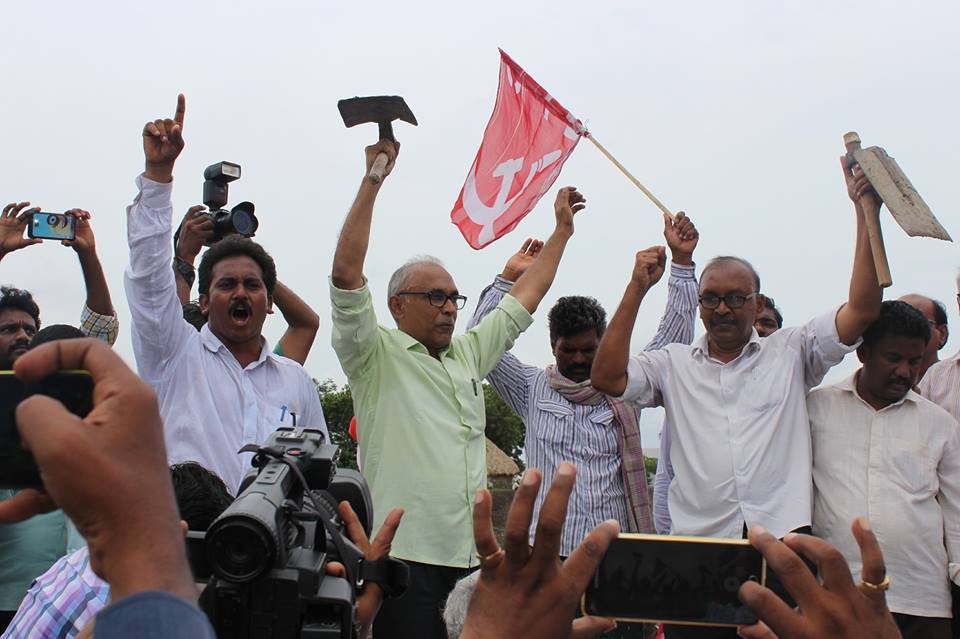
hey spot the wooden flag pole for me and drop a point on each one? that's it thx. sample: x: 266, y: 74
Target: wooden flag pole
x: 653, y: 198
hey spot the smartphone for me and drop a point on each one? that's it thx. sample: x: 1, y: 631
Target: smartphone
x: 682, y: 580
x: 52, y: 226
x: 74, y: 389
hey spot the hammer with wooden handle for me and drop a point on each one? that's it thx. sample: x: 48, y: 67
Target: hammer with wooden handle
x: 852, y: 142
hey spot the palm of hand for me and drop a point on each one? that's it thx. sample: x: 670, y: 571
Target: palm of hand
x: 160, y: 151
x: 519, y: 263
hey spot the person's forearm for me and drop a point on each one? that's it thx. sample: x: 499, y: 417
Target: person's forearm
x: 609, y: 372
x: 296, y: 312
x: 534, y: 284
x: 354, y: 239
x: 98, y: 294
x: 183, y: 288
x: 865, y: 296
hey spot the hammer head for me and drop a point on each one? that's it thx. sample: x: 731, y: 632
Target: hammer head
x: 382, y: 109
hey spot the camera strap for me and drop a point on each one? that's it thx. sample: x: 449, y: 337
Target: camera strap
x: 391, y: 574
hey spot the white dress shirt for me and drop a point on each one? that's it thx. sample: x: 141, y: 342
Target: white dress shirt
x: 741, y: 438
x: 210, y: 405
x: 900, y: 468
x: 941, y: 385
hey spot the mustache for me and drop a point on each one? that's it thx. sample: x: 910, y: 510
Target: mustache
x: 722, y: 321
x: 22, y: 343
x: 240, y: 304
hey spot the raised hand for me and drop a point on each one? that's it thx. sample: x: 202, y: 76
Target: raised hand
x: 859, y: 189
x: 519, y: 262
x: 524, y: 592
x: 162, y: 143
x: 85, y: 243
x: 195, y: 231
x: 568, y: 203
x: 681, y: 236
x: 649, y: 266
x: 392, y: 149
x: 12, y: 225
x: 838, y: 607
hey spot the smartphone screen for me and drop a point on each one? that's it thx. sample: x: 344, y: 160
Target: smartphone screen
x: 74, y: 389
x: 52, y: 226
x: 684, y: 580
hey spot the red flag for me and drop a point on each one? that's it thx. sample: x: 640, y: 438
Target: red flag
x: 527, y: 140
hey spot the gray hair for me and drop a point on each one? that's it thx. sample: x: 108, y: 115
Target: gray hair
x: 400, y: 276
x: 458, y: 601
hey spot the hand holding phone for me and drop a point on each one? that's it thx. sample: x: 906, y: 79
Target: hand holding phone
x: 73, y: 389
x: 683, y: 580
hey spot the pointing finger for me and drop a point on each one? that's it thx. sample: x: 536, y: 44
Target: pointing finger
x: 181, y: 109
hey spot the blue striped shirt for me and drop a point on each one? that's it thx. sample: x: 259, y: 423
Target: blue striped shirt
x: 559, y: 430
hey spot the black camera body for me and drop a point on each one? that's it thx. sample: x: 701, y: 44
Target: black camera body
x: 239, y: 220
x: 265, y: 554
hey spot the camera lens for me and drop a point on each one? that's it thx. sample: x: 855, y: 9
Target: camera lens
x: 240, y: 549
x: 243, y: 223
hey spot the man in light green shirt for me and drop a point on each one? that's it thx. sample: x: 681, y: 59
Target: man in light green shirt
x: 418, y: 399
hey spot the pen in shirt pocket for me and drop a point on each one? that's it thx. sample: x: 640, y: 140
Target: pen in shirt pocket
x: 283, y: 412
x: 474, y: 382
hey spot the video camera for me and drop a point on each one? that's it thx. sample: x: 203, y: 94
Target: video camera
x: 265, y: 554
x: 240, y: 219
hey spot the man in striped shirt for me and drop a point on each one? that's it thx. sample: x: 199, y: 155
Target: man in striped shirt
x: 565, y: 418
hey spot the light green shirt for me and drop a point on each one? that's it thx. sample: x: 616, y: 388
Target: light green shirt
x: 420, y: 421
x: 27, y: 550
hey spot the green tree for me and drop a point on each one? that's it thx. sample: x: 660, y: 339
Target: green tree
x: 337, y: 406
x: 504, y: 426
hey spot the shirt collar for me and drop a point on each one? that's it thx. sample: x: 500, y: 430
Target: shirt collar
x: 411, y: 343
x: 213, y: 344
x: 701, y: 346
x: 849, y: 384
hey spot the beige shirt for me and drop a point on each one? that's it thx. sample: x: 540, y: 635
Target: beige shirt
x: 941, y: 385
x: 900, y: 468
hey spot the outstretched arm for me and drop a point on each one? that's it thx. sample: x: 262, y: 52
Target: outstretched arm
x: 676, y: 325
x: 85, y: 245
x: 536, y: 281
x: 609, y: 372
x: 302, y: 323
x: 355, y: 235
x: 863, y: 306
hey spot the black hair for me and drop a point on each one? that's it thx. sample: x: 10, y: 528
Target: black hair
x: 201, y: 495
x: 20, y: 300
x: 722, y: 260
x: 899, y: 319
x: 939, y: 312
x: 236, y: 245
x: 769, y: 303
x: 575, y: 314
x: 55, y: 332
x: 193, y: 314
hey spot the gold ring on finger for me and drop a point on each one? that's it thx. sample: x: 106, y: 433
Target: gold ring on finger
x: 882, y: 586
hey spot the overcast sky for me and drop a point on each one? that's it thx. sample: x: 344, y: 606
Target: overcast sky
x: 733, y: 112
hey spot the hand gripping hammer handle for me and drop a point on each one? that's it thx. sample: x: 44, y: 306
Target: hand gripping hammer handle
x: 380, y: 163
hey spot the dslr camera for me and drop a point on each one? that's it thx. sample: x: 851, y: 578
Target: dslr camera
x: 239, y: 220
x: 264, y: 556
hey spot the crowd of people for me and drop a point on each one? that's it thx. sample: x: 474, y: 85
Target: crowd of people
x: 851, y: 491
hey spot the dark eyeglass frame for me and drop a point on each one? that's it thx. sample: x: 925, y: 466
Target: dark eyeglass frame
x: 439, y: 298
x: 732, y: 300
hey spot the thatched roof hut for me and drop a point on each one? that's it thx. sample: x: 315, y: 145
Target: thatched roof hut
x: 498, y: 463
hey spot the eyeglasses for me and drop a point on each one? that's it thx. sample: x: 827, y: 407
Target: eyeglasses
x: 733, y: 300
x: 438, y: 298
x: 12, y: 328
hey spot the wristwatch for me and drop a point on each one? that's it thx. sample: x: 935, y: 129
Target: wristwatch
x: 185, y: 269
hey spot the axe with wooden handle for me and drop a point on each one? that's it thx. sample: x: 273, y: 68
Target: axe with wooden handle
x: 902, y: 200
